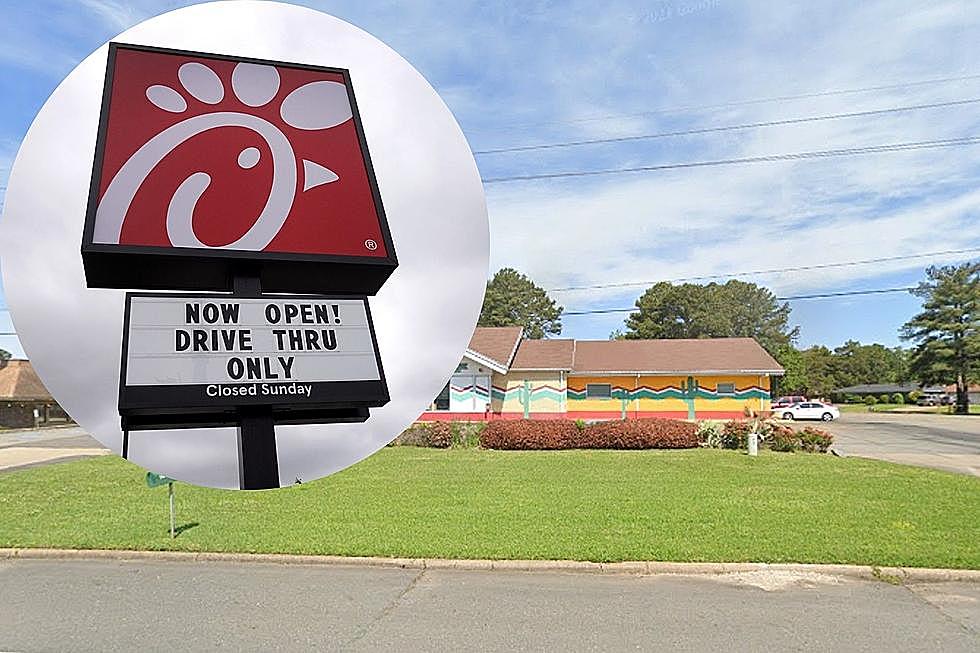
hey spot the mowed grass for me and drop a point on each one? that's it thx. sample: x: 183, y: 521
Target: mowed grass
x: 699, y: 505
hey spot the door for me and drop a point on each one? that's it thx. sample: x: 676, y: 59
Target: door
x: 469, y: 393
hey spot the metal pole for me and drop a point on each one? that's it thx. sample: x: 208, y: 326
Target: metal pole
x: 172, y: 517
x: 125, y: 444
x: 258, y: 464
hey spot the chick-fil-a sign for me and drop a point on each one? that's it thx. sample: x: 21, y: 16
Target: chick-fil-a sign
x: 218, y: 159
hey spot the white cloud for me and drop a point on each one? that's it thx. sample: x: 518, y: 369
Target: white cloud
x: 720, y: 220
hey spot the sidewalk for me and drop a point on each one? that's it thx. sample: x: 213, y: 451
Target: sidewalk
x: 33, y: 447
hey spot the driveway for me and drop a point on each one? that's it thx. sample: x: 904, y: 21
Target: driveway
x: 33, y: 447
x: 947, y: 442
x: 112, y: 605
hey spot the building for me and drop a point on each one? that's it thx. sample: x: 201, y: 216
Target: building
x: 504, y: 375
x: 877, y: 389
x: 24, y: 401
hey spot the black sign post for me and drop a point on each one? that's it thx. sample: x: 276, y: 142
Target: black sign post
x: 258, y: 460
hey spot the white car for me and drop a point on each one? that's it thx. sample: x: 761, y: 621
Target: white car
x: 809, y: 410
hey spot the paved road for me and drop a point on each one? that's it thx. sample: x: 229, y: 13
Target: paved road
x: 948, y: 442
x: 168, y: 606
x: 32, y: 447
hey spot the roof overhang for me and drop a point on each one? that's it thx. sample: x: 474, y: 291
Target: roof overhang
x: 483, y: 360
x: 540, y: 369
x: 675, y: 372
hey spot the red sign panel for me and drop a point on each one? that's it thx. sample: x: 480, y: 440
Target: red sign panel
x: 217, y: 159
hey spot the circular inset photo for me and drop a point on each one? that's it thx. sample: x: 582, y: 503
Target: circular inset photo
x: 244, y: 244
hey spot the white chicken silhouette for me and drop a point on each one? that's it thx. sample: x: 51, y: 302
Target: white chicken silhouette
x: 313, y: 106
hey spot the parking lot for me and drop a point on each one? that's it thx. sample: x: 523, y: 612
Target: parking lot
x: 948, y: 442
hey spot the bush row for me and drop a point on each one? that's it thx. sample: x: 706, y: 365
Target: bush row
x: 652, y: 433
x: 649, y: 433
x: 734, y: 434
x: 441, y: 435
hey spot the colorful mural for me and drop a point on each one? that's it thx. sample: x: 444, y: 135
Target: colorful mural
x: 681, y: 396
x: 507, y: 377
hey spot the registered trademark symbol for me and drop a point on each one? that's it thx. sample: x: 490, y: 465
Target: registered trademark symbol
x: 370, y: 244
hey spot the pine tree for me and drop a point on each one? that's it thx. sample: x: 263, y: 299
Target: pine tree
x: 514, y: 300
x: 947, y: 331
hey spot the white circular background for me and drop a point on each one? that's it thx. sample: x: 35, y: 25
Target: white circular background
x: 433, y: 197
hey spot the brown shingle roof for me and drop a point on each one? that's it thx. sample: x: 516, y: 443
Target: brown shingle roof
x: 668, y: 356
x: 544, y: 355
x: 496, y: 343
x: 19, y: 382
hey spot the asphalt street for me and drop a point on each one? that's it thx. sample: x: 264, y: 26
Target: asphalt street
x: 948, y: 442
x: 58, y: 605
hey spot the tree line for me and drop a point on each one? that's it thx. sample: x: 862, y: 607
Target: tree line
x: 944, y: 337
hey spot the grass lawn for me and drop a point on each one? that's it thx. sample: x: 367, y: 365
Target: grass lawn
x: 698, y: 505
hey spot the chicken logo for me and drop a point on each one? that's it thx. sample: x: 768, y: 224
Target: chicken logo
x: 213, y: 153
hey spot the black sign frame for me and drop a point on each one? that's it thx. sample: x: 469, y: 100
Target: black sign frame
x: 189, y: 268
x: 186, y: 406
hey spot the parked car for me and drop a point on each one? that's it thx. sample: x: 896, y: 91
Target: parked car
x: 926, y: 400
x: 787, y: 401
x: 810, y: 410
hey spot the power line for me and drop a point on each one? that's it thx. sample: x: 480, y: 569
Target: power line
x: 847, y: 293
x: 799, y: 268
x: 741, y: 103
x: 710, y: 130
x: 794, y: 156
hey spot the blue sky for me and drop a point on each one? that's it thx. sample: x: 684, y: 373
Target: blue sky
x: 538, y: 72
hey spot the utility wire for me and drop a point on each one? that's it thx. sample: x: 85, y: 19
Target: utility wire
x: 793, y: 156
x: 710, y: 130
x: 799, y: 268
x: 847, y: 293
x: 742, y: 103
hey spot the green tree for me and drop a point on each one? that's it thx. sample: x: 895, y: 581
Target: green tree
x: 856, y: 364
x: 947, y: 331
x: 821, y: 372
x: 4, y: 357
x: 794, y: 380
x: 514, y: 300
x: 732, y: 309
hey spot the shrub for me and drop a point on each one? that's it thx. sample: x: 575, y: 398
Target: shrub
x: 466, y: 435
x: 566, y: 434
x: 426, y: 434
x: 530, y: 434
x: 783, y: 438
x: 735, y: 434
x: 883, y: 398
x: 870, y: 400
x: 709, y: 434
x: 914, y: 396
x: 898, y: 398
x: 647, y: 433
x: 815, y: 440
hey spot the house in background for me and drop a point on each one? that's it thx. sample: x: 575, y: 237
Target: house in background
x: 877, y: 389
x: 24, y: 401
x: 504, y: 375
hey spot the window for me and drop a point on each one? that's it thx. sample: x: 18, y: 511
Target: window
x: 598, y: 390
x: 726, y: 388
x: 442, y: 401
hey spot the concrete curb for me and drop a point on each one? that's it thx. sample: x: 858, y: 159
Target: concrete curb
x: 640, y: 568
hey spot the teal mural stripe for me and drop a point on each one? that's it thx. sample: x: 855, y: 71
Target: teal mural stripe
x: 619, y: 394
